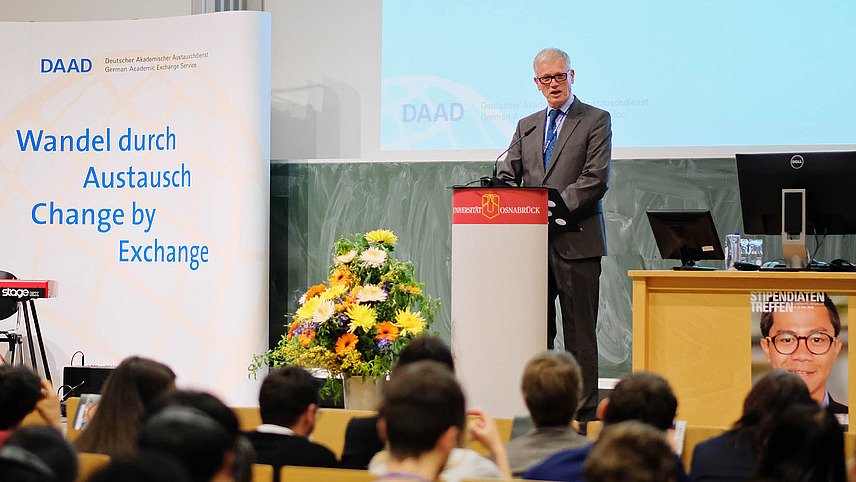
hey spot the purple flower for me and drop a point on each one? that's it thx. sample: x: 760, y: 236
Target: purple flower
x: 343, y: 321
x: 384, y: 344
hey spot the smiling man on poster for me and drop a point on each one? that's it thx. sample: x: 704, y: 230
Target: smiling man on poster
x: 569, y: 149
x: 802, y: 337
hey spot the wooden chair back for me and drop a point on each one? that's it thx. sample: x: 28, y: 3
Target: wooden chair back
x: 262, y: 473
x: 88, y: 464
x: 291, y: 473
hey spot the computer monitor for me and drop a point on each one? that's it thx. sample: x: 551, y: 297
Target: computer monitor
x: 688, y: 235
x: 827, y: 178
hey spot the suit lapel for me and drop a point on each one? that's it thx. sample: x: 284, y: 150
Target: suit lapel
x: 572, y: 119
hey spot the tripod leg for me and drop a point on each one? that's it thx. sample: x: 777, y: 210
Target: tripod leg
x: 41, y: 343
x: 22, y: 305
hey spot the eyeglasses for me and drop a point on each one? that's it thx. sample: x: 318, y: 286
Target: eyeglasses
x: 787, y: 343
x: 548, y: 79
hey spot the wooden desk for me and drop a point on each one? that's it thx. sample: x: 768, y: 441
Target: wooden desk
x: 694, y: 328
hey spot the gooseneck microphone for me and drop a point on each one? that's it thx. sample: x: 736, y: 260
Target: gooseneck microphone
x: 494, y: 181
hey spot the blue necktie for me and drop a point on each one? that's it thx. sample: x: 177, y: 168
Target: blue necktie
x: 551, y: 136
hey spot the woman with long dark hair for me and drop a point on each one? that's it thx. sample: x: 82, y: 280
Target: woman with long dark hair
x: 126, y: 394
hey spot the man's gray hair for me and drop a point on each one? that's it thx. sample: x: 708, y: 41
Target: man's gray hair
x: 551, y: 54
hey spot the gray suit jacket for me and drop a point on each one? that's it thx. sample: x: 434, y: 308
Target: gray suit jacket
x: 579, y: 169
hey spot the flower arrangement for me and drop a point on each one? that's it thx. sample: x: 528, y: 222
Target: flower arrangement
x: 357, y: 322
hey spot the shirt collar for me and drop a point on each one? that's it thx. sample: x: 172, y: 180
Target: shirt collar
x: 825, y: 401
x: 565, y: 107
x: 275, y: 429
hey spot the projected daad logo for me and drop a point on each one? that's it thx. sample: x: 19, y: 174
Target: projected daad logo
x: 490, y: 205
x: 424, y: 112
x: 66, y: 66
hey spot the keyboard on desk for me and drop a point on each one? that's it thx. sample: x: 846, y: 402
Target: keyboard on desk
x: 21, y: 289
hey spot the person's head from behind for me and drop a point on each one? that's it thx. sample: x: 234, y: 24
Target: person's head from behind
x: 38, y: 453
x: 20, y: 389
x: 127, y: 392
x: 289, y: 397
x: 630, y: 451
x: 196, y: 428
x: 424, y: 348
x: 804, y: 341
x: 642, y: 396
x: 806, y: 443
x: 768, y: 398
x: 422, y: 413
x: 142, y: 466
x: 552, y: 387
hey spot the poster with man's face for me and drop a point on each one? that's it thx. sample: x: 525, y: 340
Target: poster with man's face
x: 805, y: 333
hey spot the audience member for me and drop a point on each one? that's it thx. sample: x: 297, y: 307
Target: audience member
x: 288, y: 402
x: 640, y: 396
x: 126, y: 394
x: 422, y: 417
x: 630, y: 451
x: 38, y: 454
x: 551, y: 386
x: 734, y: 454
x: 805, y: 444
x: 143, y: 466
x: 462, y: 462
x: 361, y: 437
x: 197, y: 429
x: 21, y: 392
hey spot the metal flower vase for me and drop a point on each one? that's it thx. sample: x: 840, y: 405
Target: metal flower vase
x: 362, y: 394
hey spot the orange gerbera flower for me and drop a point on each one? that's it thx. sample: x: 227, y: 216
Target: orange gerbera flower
x: 306, y: 339
x: 387, y: 330
x: 291, y: 329
x: 315, y: 290
x: 343, y: 306
x: 346, y: 343
x: 340, y: 276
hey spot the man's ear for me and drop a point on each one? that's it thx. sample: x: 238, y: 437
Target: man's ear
x: 381, y: 429
x: 765, y: 345
x: 601, y: 408
x: 449, y: 439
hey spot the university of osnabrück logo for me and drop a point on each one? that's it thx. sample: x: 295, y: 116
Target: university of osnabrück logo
x: 490, y: 205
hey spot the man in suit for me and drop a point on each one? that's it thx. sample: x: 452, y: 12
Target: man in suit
x: 569, y: 149
x: 288, y: 402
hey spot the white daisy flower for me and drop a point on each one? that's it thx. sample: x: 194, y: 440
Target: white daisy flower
x: 373, y: 257
x: 371, y: 293
x: 324, y: 311
x: 345, y: 258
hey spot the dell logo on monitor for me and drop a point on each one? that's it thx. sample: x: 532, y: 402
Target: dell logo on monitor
x: 797, y: 161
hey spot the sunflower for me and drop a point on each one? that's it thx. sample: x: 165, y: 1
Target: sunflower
x: 346, y: 343
x: 384, y: 236
x: 386, y: 331
x: 361, y: 317
x: 409, y: 323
